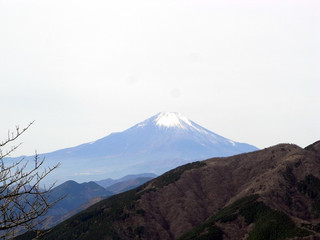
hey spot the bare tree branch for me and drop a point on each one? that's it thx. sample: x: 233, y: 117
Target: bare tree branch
x: 22, y: 199
x: 14, y: 135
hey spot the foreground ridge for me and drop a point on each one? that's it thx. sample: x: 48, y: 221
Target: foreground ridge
x: 252, y: 195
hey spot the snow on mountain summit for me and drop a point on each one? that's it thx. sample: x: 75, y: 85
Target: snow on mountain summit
x: 171, y: 119
x: 157, y: 144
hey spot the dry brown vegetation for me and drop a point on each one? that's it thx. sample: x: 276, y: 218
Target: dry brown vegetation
x: 176, y: 202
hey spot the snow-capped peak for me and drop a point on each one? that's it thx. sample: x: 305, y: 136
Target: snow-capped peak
x: 171, y: 119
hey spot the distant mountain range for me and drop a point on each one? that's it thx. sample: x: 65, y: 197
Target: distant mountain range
x: 110, y: 182
x: 268, y: 194
x: 76, y: 197
x: 73, y: 195
x: 127, y: 185
x: 155, y: 145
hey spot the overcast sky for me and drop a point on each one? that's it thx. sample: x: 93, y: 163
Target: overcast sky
x: 247, y: 70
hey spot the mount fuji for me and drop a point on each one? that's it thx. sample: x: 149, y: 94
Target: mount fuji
x: 155, y: 145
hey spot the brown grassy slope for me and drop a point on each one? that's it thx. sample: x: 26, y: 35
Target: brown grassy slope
x: 199, y: 193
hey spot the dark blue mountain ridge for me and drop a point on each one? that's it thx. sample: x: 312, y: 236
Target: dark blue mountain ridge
x: 71, y: 198
x: 155, y: 145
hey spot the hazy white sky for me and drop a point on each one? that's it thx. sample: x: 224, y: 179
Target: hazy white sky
x: 247, y: 70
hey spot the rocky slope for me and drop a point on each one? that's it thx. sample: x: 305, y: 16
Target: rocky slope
x: 268, y: 194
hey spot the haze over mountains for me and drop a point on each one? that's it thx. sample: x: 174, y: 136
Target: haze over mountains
x: 109, y: 182
x: 155, y: 145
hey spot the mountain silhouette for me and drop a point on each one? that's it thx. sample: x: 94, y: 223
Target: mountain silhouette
x: 156, y: 145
